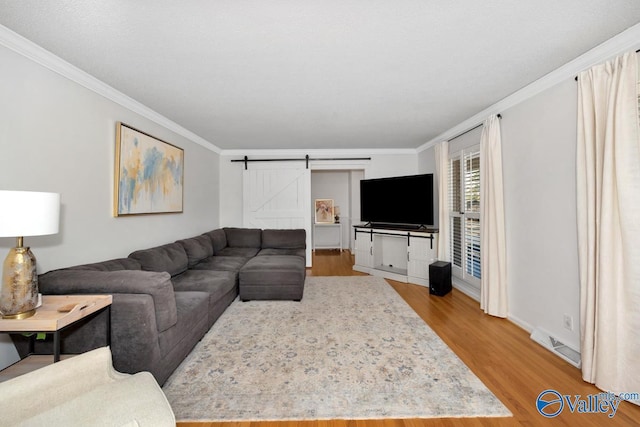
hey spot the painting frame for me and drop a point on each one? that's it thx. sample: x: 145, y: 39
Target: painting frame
x: 323, y: 209
x: 149, y: 174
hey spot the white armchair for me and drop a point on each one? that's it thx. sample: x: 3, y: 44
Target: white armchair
x: 84, y: 391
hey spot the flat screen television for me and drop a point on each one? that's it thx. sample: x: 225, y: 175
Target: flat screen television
x: 400, y: 200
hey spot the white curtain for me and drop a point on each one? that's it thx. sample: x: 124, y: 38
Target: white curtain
x: 493, y: 284
x: 608, y: 184
x: 442, y: 173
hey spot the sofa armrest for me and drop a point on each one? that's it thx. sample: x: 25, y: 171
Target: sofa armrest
x: 76, y: 391
x: 156, y: 284
x: 134, y: 336
x: 69, y: 378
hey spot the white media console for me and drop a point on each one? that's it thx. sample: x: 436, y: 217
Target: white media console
x: 397, y: 254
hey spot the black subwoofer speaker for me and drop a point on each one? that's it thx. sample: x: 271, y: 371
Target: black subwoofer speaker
x: 440, y: 278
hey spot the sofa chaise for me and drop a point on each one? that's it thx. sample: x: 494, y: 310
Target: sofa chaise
x: 167, y: 297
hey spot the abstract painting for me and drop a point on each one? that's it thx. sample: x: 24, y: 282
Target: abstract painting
x: 148, y: 175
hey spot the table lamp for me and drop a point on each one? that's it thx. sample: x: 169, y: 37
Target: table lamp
x: 24, y: 213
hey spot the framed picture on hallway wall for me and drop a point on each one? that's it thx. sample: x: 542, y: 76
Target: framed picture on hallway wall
x: 324, y: 211
x: 149, y: 174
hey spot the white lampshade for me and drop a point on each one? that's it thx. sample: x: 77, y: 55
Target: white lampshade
x: 28, y: 213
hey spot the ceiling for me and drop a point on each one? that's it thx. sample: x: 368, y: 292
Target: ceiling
x: 301, y: 74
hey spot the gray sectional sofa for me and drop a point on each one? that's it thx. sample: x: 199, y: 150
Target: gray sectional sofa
x: 167, y: 297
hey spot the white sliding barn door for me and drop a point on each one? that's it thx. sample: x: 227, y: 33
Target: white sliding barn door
x: 278, y: 195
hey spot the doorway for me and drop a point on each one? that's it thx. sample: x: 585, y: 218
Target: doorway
x: 343, y: 187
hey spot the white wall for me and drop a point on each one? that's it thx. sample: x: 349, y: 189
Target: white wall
x: 538, y: 145
x: 539, y: 165
x: 386, y: 165
x: 57, y: 136
x: 355, y: 176
x: 427, y: 161
x: 427, y: 164
x: 380, y: 165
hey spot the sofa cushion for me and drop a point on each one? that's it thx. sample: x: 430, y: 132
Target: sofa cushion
x: 284, y: 239
x: 243, y: 237
x: 110, y: 265
x: 215, y: 283
x: 272, y: 277
x: 282, y: 251
x: 171, y: 258
x: 191, y: 326
x: 221, y: 286
x: 156, y: 284
x: 218, y: 239
x: 197, y: 249
x: 238, y: 252
x: 221, y: 263
x: 281, y: 270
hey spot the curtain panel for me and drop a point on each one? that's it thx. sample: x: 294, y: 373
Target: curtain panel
x: 493, y: 253
x: 442, y: 173
x: 608, y: 203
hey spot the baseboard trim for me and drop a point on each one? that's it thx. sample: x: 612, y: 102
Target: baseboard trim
x: 466, y: 289
x: 520, y: 323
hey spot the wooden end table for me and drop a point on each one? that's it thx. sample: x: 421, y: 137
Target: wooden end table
x: 53, y: 316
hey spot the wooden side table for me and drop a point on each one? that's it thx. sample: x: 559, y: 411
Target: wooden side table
x: 53, y: 316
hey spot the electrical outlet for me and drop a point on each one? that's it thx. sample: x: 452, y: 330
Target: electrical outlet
x: 567, y: 321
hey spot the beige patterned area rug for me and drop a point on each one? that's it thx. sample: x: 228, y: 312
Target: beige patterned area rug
x: 351, y: 349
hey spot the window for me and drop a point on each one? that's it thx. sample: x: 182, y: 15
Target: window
x: 464, y: 216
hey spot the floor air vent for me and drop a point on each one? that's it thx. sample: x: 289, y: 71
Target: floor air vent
x: 561, y: 349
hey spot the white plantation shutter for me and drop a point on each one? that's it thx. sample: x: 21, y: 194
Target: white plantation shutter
x: 472, y: 212
x: 472, y: 182
x: 455, y: 209
x: 464, y: 204
x: 456, y: 241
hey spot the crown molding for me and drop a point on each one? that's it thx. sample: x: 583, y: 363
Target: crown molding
x: 43, y: 57
x: 319, y: 152
x: 623, y: 42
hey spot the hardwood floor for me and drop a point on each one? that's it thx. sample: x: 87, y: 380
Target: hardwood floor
x: 502, y: 355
